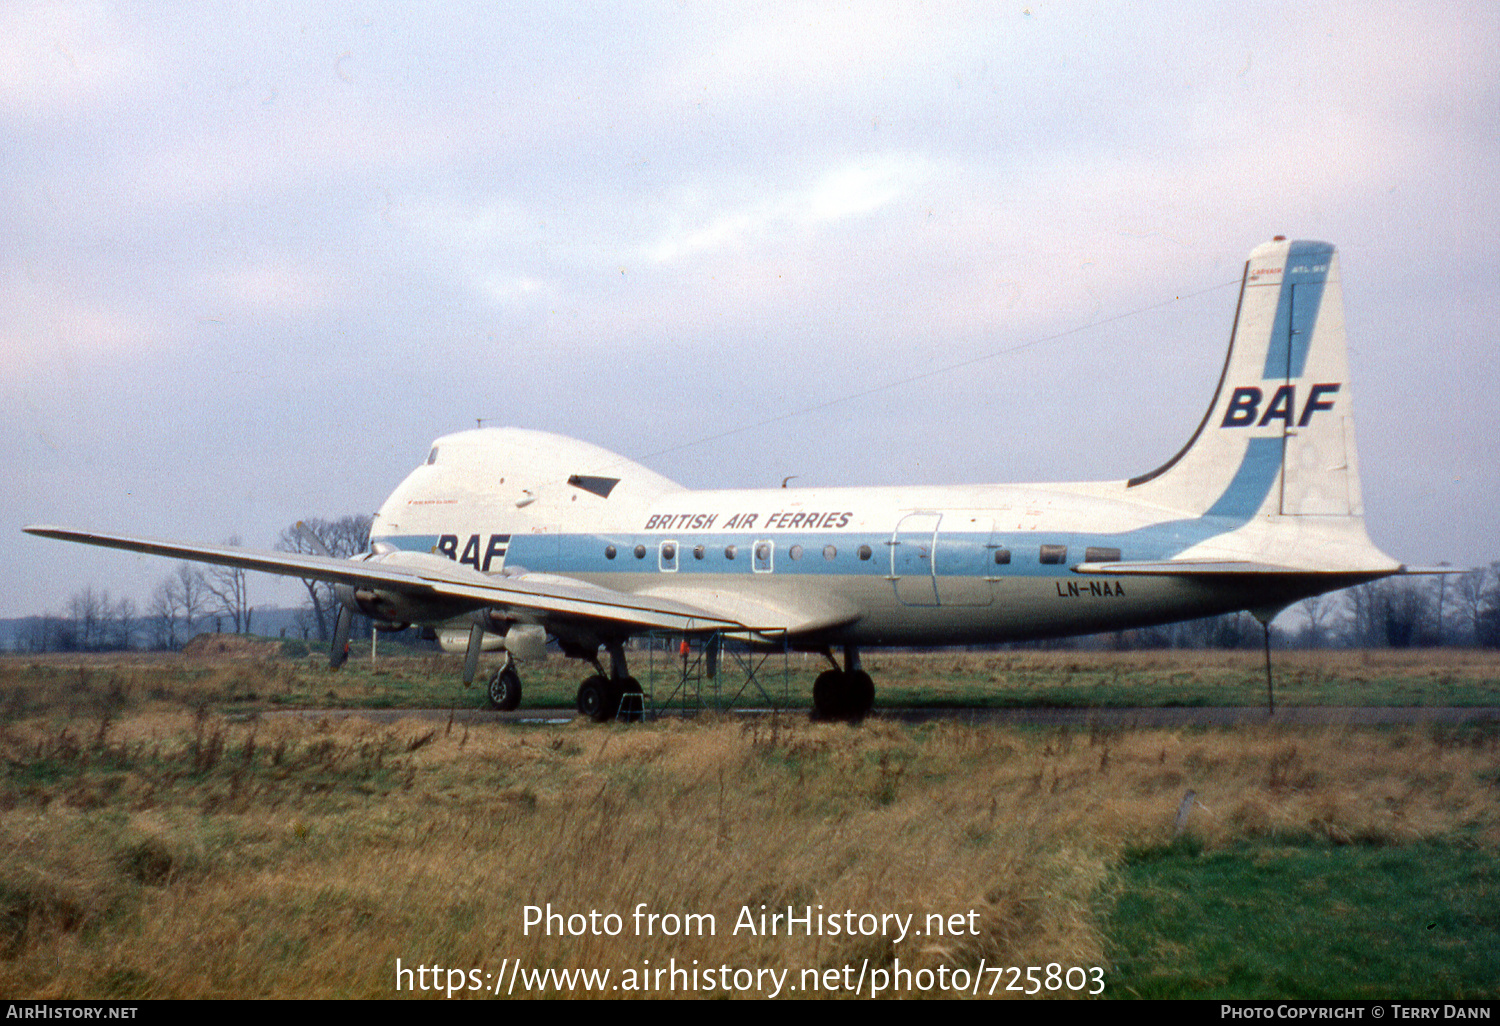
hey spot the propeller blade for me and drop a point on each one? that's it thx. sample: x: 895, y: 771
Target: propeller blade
x: 471, y: 654
x: 309, y: 536
x: 339, y: 653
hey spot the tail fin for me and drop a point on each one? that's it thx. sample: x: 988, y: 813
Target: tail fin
x: 1278, y: 438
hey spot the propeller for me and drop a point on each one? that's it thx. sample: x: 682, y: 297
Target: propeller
x: 471, y: 654
x: 312, y: 539
x: 339, y: 653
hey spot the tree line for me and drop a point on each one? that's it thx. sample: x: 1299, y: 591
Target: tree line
x: 193, y: 599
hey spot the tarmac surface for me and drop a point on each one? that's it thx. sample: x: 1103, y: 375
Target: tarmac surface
x: 1113, y: 716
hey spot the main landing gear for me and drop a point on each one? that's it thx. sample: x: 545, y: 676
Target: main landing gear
x: 603, y: 698
x: 846, y: 694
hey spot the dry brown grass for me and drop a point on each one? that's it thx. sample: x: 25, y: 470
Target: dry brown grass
x: 175, y: 854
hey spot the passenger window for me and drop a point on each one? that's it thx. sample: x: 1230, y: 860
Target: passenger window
x: 829, y: 552
x: 1002, y: 556
x: 640, y: 552
x: 729, y: 551
x: 1054, y: 555
x: 761, y: 563
x: 795, y: 552
x: 697, y: 551
x: 1100, y: 554
x: 666, y: 559
x: 864, y: 552
x: 609, y: 552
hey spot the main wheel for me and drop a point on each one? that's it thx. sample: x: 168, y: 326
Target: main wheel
x: 830, y: 694
x: 861, y: 694
x: 594, y: 699
x: 504, y: 690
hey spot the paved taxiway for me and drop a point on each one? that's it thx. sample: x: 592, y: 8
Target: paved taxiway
x: 1167, y: 716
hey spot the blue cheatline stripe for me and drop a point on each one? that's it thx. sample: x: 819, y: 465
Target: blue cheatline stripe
x: 1251, y: 483
x: 584, y: 553
x: 1297, y: 307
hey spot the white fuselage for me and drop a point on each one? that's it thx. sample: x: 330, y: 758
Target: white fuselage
x: 868, y: 566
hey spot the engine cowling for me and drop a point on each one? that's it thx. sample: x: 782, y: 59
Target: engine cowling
x: 392, y: 609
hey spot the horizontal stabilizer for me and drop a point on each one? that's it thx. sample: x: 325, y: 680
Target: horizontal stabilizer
x: 1201, y: 568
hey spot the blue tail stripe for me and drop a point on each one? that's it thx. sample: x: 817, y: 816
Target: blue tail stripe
x: 1307, y: 266
x: 1252, y: 482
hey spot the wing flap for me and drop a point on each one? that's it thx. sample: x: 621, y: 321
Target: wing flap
x: 768, y: 615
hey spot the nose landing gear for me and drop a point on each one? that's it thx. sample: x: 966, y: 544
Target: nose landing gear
x: 504, y: 688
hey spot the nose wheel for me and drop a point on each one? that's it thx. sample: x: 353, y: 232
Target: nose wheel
x: 504, y: 688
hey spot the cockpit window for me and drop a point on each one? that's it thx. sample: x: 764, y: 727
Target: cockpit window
x: 432, y: 456
x: 600, y: 486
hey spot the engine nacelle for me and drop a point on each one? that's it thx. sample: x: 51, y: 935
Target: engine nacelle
x: 396, y: 610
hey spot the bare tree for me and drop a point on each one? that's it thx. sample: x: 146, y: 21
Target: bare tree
x: 1319, y: 610
x: 87, y: 613
x: 121, y: 627
x: 1395, y: 612
x: 40, y: 634
x: 1487, y: 624
x: 228, y: 585
x: 163, y: 616
x: 1469, y: 596
x: 347, y: 536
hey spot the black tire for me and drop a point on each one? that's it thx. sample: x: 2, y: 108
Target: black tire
x: 593, y: 699
x: 829, y: 696
x: 861, y: 695
x: 504, y: 691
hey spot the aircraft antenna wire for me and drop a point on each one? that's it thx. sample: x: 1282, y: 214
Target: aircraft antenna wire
x: 934, y: 372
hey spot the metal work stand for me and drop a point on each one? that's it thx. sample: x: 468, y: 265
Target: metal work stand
x: 712, y: 672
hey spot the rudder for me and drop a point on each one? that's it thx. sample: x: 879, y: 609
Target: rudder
x: 1277, y: 439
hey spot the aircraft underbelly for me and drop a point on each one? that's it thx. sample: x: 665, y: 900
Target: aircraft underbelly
x: 1040, y: 607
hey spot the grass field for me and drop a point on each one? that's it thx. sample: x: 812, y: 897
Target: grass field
x: 257, y: 678
x: 158, y: 838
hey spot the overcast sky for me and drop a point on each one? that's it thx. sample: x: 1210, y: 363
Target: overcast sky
x: 255, y: 257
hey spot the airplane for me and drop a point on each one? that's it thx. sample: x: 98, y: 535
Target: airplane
x: 518, y: 535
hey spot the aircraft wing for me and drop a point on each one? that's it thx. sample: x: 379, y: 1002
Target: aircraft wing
x: 424, y: 578
x: 802, y: 616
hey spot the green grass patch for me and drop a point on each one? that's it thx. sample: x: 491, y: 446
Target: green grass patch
x: 33, y: 686
x: 1308, y: 920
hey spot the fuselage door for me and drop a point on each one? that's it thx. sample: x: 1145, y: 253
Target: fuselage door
x: 964, y: 561
x: 912, y: 551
